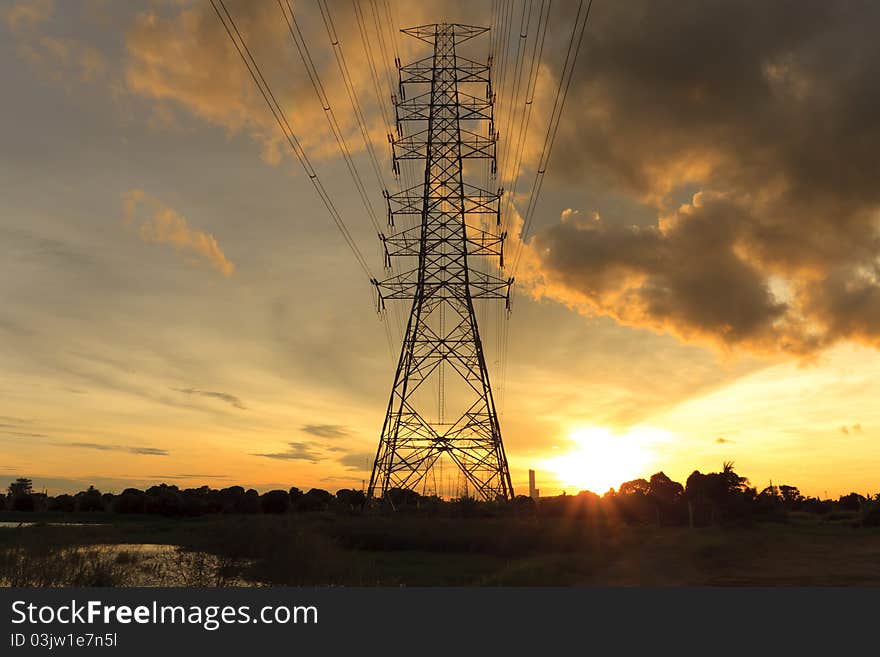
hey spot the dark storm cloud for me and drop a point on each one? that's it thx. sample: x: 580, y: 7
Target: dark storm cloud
x: 295, y: 452
x: 723, y: 441
x: 222, y: 396
x: 769, y: 109
x: 326, y: 430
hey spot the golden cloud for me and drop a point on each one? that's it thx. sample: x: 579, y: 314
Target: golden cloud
x: 183, y: 59
x: 65, y: 59
x: 772, y: 135
x: 159, y: 224
x: 27, y: 14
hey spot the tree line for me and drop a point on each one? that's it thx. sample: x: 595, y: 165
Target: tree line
x: 169, y: 500
x: 704, y: 499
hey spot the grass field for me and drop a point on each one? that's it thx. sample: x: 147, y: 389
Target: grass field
x: 318, y: 549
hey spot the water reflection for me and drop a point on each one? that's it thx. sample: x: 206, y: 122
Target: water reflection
x: 124, y: 564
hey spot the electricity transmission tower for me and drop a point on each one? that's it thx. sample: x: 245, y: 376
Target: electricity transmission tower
x: 441, y: 404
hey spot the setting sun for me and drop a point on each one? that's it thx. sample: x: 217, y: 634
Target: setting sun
x: 600, y: 459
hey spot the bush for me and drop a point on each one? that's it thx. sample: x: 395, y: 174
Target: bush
x: 871, y: 514
x: 317, y: 499
x: 275, y: 501
x: 64, y: 503
x: 23, y: 503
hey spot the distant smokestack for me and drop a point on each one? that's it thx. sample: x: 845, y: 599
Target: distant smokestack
x: 534, y: 493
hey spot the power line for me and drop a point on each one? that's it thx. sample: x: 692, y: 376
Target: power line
x: 375, y: 77
x: 368, y: 51
x: 549, y: 140
x: 525, y: 19
x: 394, y: 37
x: 356, y: 105
x: 280, y: 117
x: 503, y: 102
x: 383, y: 49
x: 531, y: 85
x: 565, y: 78
x: 403, y: 168
x: 350, y: 89
x: 392, y: 26
x: 306, y: 57
x: 512, y: 173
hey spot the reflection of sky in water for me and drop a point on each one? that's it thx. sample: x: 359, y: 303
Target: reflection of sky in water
x: 150, y: 564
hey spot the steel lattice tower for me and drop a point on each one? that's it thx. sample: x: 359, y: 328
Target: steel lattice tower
x: 441, y: 402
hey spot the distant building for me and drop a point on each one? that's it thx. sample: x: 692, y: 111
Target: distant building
x: 534, y: 493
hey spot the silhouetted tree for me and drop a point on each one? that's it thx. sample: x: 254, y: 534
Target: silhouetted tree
x: 200, y: 501
x: 632, y: 502
x: 402, y: 498
x: 20, y: 495
x: 350, y: 499
x: 769, y: 504
x: 89, y: 500
x: 870, y: 513
x: 250, y: 503
x: 525, y: 505
x: 664, y: 489
x: 231, y: 499
x: 317, y: 499
x: 131, y: 500
x: 634, y: 487
x: 24, y: 503
x: 851, y: 502
x: 816, y: 506
x: 63, y: 502
x: 667, y: 496
x: 275, y: 501
x: 21, y: 486
x: 718, y: 495
x: 791, y: 497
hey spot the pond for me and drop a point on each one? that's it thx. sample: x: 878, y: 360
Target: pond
x: 122, y: 564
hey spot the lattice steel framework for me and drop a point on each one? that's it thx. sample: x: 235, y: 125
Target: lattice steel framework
x: 442, y: 353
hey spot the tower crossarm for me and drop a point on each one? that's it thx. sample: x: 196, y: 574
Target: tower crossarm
x: 418, y: 108
x: 407, y: 243
x: 421, y: 71
x: 475, y: 200
x: 473, y: 146
x: 481, y: 285
x: 428, y: 33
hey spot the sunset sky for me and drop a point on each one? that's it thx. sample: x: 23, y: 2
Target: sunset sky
x: 701, y: 283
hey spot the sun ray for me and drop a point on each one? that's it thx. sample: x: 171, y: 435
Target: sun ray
x: 599, y: 459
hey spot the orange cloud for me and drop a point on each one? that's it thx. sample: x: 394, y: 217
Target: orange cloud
x: 778, y: 249
x: 24, y: 15
x: 61, y: 59
x: 64, y: 59
x: 159, y: 224
x: 183, y: 59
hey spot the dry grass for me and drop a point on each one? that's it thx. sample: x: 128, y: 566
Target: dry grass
x: 401, y: 550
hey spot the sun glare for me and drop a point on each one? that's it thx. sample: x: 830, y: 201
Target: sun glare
x: 600, y: 459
